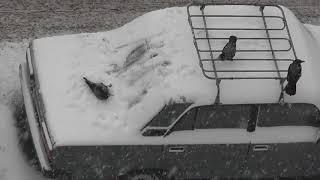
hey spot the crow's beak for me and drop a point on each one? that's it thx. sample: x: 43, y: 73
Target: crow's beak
x: 300, y: 61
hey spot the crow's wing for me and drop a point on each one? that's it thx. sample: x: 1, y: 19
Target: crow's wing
x: 298, y: 70
x: 290, y: 72
x: 233, y: 50
x: 294, y: 72
x: 226, y: 48
x: 229, y: 50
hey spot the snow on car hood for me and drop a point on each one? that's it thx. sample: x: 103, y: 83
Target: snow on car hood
x: 168, y: 69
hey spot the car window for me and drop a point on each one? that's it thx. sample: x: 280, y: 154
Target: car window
x: 168, y: 114
x: 223, y: 116
x: 187, y: 121
x: 298, y: 114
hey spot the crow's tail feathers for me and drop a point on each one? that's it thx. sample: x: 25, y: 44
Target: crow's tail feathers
x: 89, y: 83
x: 86, y: 80
x: 221, y: 56
x: 290, y: 88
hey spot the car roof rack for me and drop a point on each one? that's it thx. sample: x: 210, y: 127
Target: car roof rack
x: 214, y: 72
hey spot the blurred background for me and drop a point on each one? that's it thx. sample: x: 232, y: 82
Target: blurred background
x: 20, y: 19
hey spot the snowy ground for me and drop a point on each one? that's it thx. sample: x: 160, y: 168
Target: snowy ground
x: 15, y: 164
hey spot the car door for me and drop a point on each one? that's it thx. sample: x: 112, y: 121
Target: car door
x: 310, y: 163
x: 309, y: 156
x: 210, y: 141
x: 278, y: 142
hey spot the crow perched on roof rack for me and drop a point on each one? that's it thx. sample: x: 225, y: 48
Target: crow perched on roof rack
x: 202, y: 7
x: 294, y: 74
x: 100, y: 90
x: 229, y: 50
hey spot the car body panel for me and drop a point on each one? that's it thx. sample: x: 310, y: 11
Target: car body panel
x: 309, y: 158
x: 272, y: 160
x: 100, y: 162
x: 207, y: 160
x: 31, y: 117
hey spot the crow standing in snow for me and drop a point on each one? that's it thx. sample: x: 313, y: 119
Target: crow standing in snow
x: 294, y: 74
x: 100, y: 90
x: 229, y: 49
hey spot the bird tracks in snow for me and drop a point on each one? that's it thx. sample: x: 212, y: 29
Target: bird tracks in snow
x: 142, y: 50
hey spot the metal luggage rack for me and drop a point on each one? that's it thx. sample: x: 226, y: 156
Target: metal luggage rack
x: 214, y: 73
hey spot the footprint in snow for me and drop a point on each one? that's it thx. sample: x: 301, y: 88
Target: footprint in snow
x: 143, y: 51
x: 108, y: 47
x: 140, y: 73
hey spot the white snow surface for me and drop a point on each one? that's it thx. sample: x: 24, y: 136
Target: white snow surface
x: 168, y: 70
x: 13, y: 164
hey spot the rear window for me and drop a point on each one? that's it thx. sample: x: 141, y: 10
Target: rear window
x: 299, y: 114
x: 187, y: 121
x: 223, y: 116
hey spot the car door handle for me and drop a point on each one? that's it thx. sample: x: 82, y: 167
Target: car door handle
x: 260, y: 148
x: 177, y: 149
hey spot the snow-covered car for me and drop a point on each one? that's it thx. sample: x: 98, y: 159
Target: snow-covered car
x: 168, y: 117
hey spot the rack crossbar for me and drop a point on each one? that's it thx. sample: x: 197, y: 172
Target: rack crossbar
x: 239, y: 29
x: 240, y: 38
x: 234, y: 78
x: 249, y: 71
x: 235, y: 16
x: 235, y: 60
x: 250, y: 50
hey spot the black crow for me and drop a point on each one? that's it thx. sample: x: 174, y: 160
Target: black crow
x: 229, y: 49
x: 294, y: 74
x: 100, y: 90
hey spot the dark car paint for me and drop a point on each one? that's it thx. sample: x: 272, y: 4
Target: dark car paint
x: 101, y: 162
x: 195, y: 161
x: 201, y: 161
x: 284, y: 160
x: 208, y: 160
